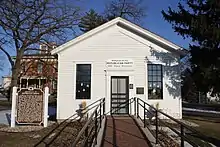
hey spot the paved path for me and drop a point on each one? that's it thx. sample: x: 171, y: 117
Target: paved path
x: 123, y: 132
x: 5, y: 116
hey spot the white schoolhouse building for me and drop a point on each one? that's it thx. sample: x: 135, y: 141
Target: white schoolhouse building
x: 118, y: 60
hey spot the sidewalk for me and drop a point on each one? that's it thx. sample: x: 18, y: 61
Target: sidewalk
x: 123, y: 132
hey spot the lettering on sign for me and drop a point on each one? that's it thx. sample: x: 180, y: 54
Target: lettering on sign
x: 30, y: 106
x: 119, y: 63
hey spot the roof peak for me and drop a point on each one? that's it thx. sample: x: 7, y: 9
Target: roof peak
x: 121, y: 22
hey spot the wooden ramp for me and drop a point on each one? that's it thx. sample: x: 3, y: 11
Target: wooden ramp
x: 123, y: 132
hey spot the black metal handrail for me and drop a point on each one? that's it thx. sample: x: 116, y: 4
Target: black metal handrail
x: 122, y: 105
x: 182, y: 133
x: 89, y: 132
x: 92, y: 127
x: 61, y: 126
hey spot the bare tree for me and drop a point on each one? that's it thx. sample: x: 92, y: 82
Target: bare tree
x: 2, y: 42
x: 25, y: 23
x: 133, y: 10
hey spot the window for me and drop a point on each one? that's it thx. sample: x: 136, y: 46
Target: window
x: 32, y: 83
x: 23, y: 68
x: 83, y: 81
x: 155, y: 81
x: 44, y: 47
x: 23, y: 83
x: 43, y: 83
x: 39, y: 67
x: 38, y: 83
x: 54, y: 82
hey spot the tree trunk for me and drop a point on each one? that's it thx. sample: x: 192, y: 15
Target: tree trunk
x: 15, y: 73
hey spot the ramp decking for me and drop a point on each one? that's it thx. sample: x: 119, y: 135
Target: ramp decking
x: 123, y: 132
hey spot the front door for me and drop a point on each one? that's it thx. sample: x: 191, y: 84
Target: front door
x: 119, y: 95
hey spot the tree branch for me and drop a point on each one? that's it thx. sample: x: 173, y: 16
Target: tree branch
x: 8, y: 56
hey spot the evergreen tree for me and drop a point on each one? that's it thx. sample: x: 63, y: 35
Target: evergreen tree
x: 133, y: 10
x: 90, y: 21
x: 200, y: 21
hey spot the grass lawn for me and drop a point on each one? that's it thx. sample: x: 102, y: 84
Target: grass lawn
x: 208, y: 126
x: 5, y: 103
x: 21, y: 139
x: 29, y: 139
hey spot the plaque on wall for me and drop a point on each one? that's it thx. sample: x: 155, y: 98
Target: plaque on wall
x: 122, y: 64
x: 30, y: 106
x: 140, y: 90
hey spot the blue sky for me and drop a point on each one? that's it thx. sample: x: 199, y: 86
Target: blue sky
x: 153, y: 22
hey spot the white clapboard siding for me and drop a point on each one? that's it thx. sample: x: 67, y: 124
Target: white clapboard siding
x: 113, y: 42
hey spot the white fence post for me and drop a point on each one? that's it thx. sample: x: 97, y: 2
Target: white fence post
x: 46, y: 95
x: 13, y: 106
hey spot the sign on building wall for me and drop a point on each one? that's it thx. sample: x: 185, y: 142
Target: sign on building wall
x: 30, y: 106
x: 119, y: 64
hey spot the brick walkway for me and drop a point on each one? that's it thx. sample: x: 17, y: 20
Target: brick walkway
x: 123, y: 132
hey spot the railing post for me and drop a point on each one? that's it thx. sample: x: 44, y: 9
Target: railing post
x: 103, y: 106
x: 144, y: 117
x: 182, y: 134
x: 96, y: 117
x: 100, y: 111
x: 156, y: 117
x: 86, y: 136
x: 137, y: 108
x: 129, y: 105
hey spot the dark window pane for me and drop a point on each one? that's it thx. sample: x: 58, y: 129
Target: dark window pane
x: 155, y: 78
x: 150, y: 78
x: 154, y: 67
x: 159, y: 67
x: 159, y: 73
x: 154, y: 72
x: 150, y: 85
x: 83, y: 81
x: 39, y: 67
x: 159, y: 78
x: 23, y: 83
x: 149, y: 66
x: 159, y: 85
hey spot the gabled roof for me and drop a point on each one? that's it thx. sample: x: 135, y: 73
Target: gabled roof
x: 128, y: 26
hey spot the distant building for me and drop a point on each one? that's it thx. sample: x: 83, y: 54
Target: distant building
x: 39, y: 70
x: 6, y: 82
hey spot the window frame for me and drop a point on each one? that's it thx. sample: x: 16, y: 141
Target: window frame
x: 75, y: 81
x: 155, y: 81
